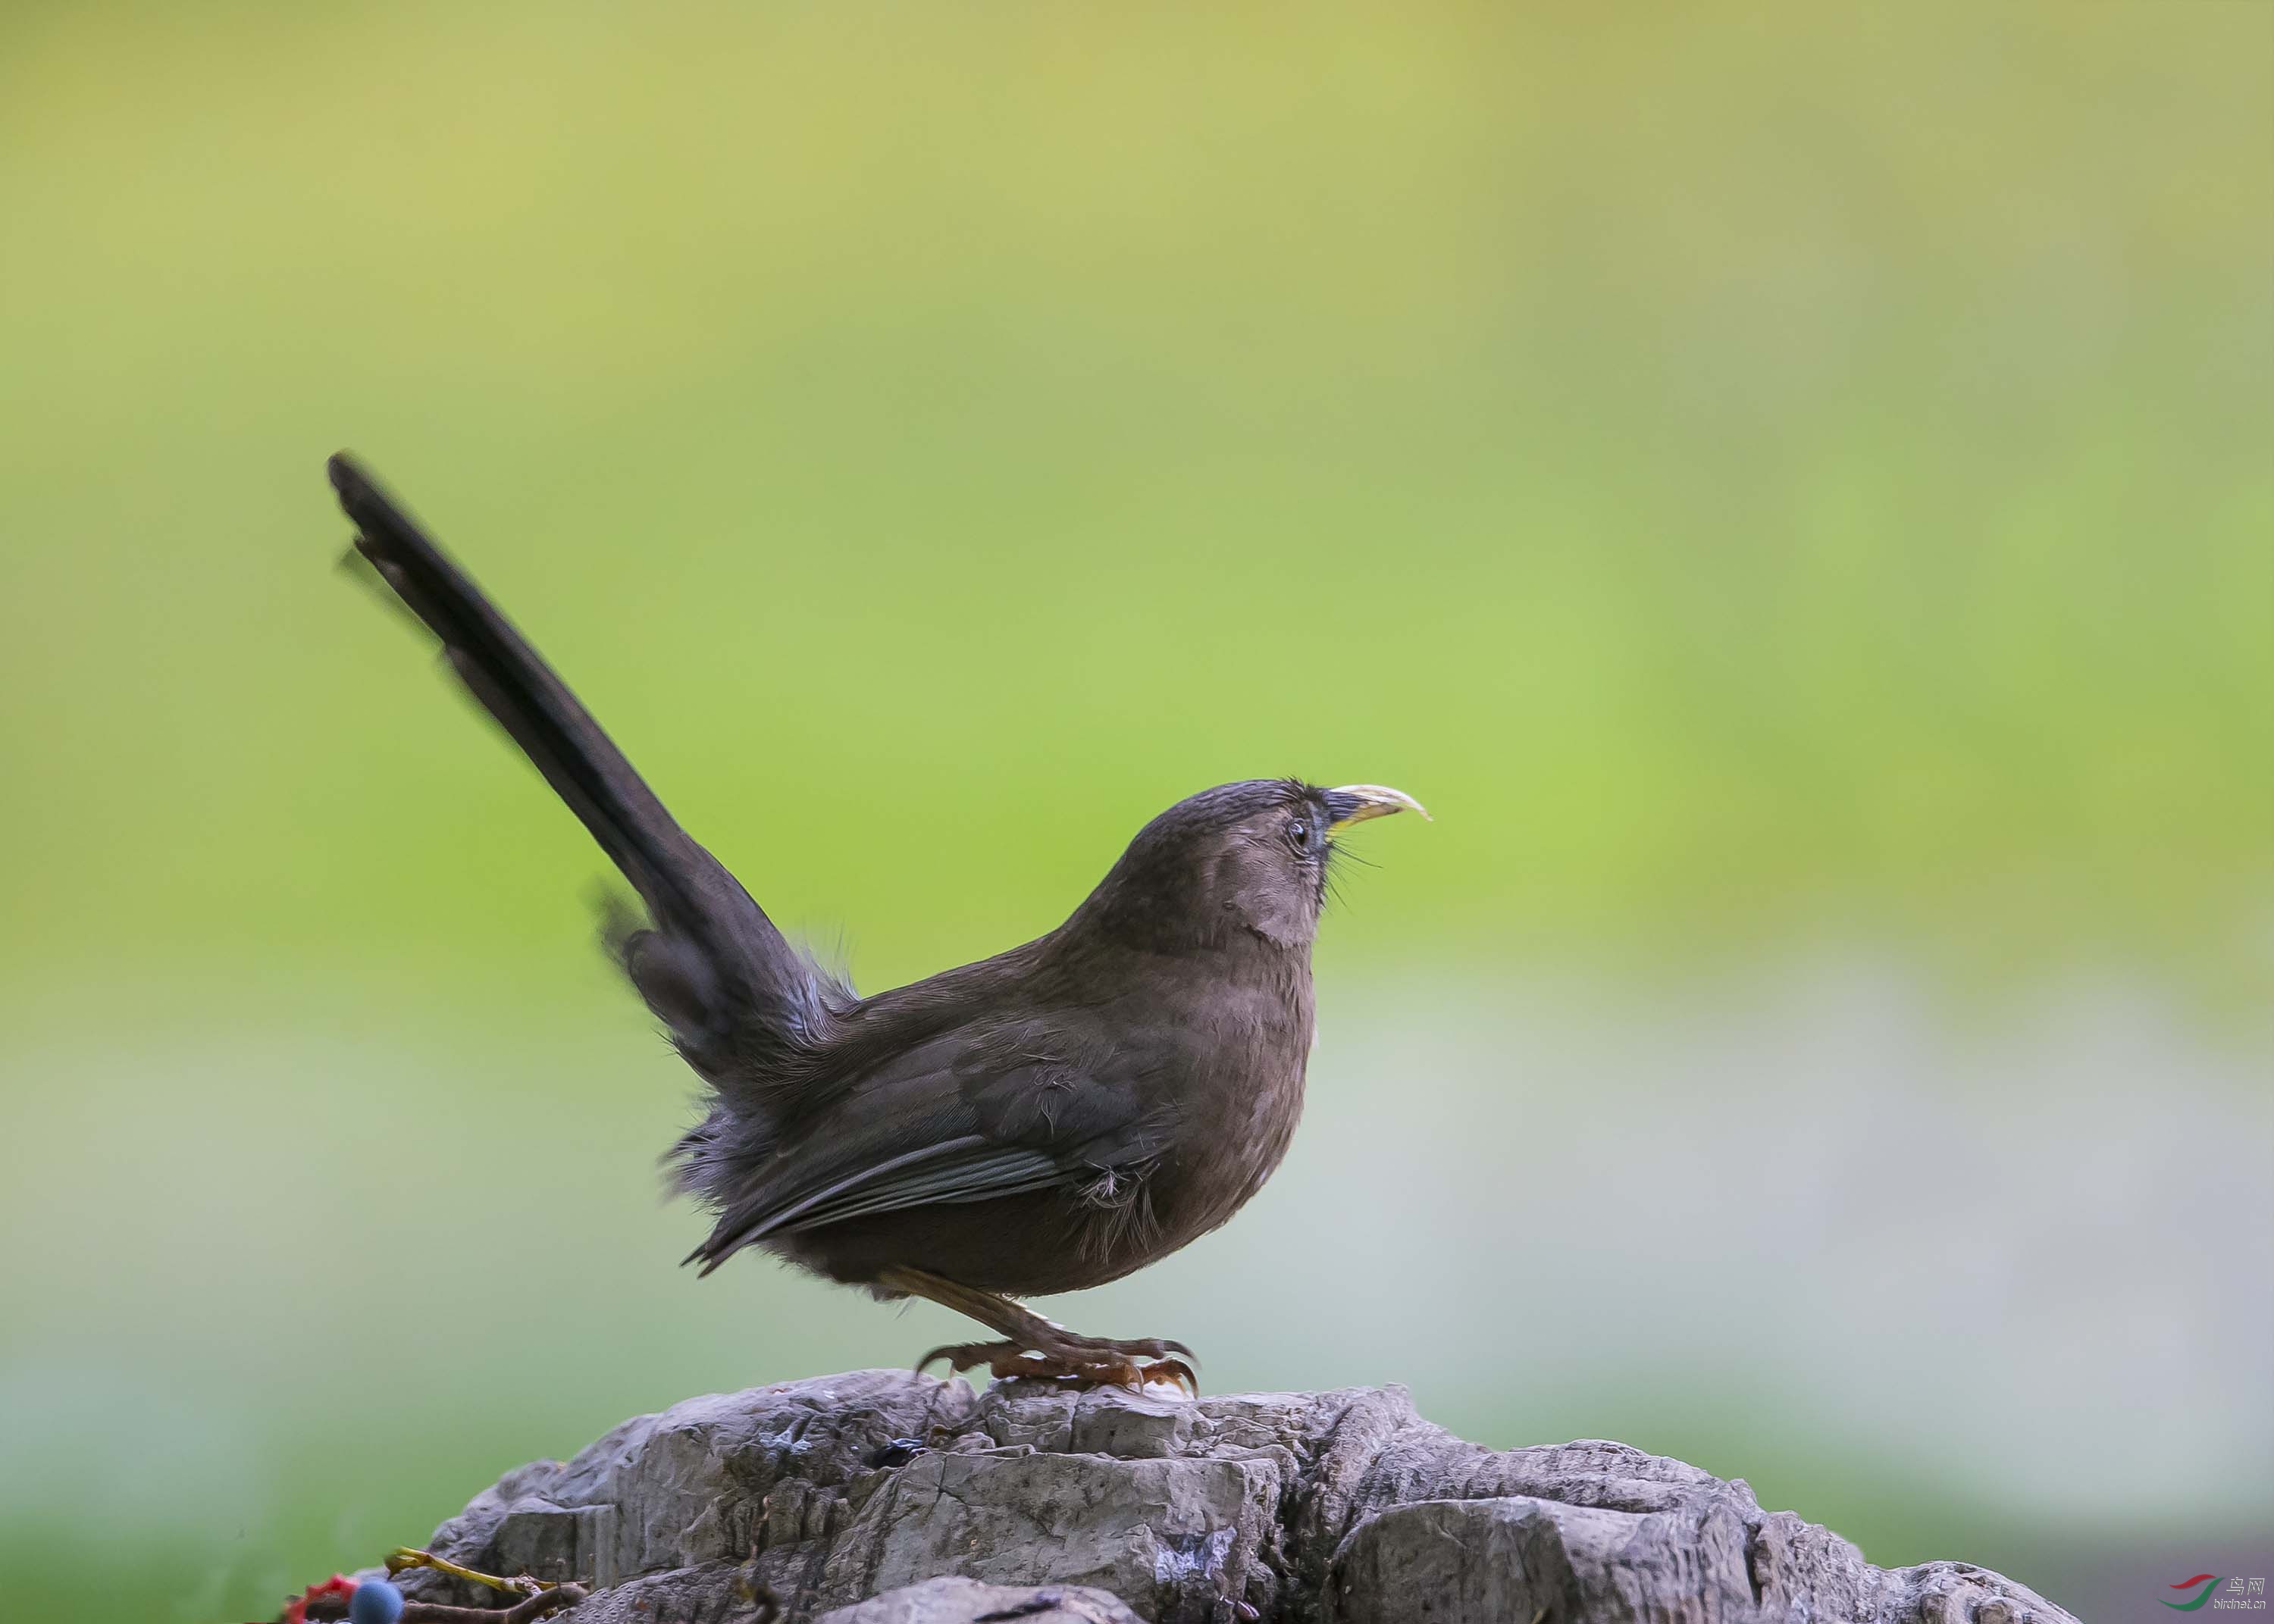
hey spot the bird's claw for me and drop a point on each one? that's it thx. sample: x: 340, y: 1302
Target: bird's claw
x: 1079, y: 1361
x: 1176, y: 1371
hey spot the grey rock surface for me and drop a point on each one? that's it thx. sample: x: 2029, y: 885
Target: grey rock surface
x: 884, y: 1497
x: 966, y: 1601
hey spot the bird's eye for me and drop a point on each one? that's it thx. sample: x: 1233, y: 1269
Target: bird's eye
x: 1299, y: 833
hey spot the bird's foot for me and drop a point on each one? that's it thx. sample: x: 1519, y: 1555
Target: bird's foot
x: 1079, y: 1361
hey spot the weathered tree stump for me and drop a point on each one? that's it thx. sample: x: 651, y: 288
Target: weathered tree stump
x: 887, y: 1498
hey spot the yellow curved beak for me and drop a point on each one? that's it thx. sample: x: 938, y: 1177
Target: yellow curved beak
x: 1354, y: 803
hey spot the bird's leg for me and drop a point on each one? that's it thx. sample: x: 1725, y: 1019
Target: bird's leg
x: 1034, y: 1346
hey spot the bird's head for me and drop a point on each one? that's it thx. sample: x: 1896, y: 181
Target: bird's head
x: 1243, y: 860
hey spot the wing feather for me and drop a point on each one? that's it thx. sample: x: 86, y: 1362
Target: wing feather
x: 992, y: 1117
x: 970, y: 1168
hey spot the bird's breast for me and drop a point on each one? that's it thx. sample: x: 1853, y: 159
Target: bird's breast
x: 1239, y: 1113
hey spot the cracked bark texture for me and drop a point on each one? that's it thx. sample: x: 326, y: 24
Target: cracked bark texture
x: 883, y: 1496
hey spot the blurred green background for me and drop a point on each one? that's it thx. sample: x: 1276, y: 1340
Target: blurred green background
x: 1791, y: 488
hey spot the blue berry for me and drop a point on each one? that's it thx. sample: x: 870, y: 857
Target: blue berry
x: 375, y: 1601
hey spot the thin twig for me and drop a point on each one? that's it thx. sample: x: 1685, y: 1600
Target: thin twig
x: 521, y: 1612
x: 405, y: 1557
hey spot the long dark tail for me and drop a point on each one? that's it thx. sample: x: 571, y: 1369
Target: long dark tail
x: 738, y: 996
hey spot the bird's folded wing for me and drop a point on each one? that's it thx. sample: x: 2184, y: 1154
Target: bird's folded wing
x: 967, y: 1167
x: 1072, y: 1127
x: 970, y: 1168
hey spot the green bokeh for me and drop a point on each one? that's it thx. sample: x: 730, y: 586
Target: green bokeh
x: 1758, y: 477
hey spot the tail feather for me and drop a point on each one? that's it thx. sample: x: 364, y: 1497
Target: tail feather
x: 714, y: 966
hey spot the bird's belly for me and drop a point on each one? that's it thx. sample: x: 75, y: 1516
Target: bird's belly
x: 1212, y: 1175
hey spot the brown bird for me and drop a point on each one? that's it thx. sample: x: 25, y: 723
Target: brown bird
x: 1043, y: 1120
